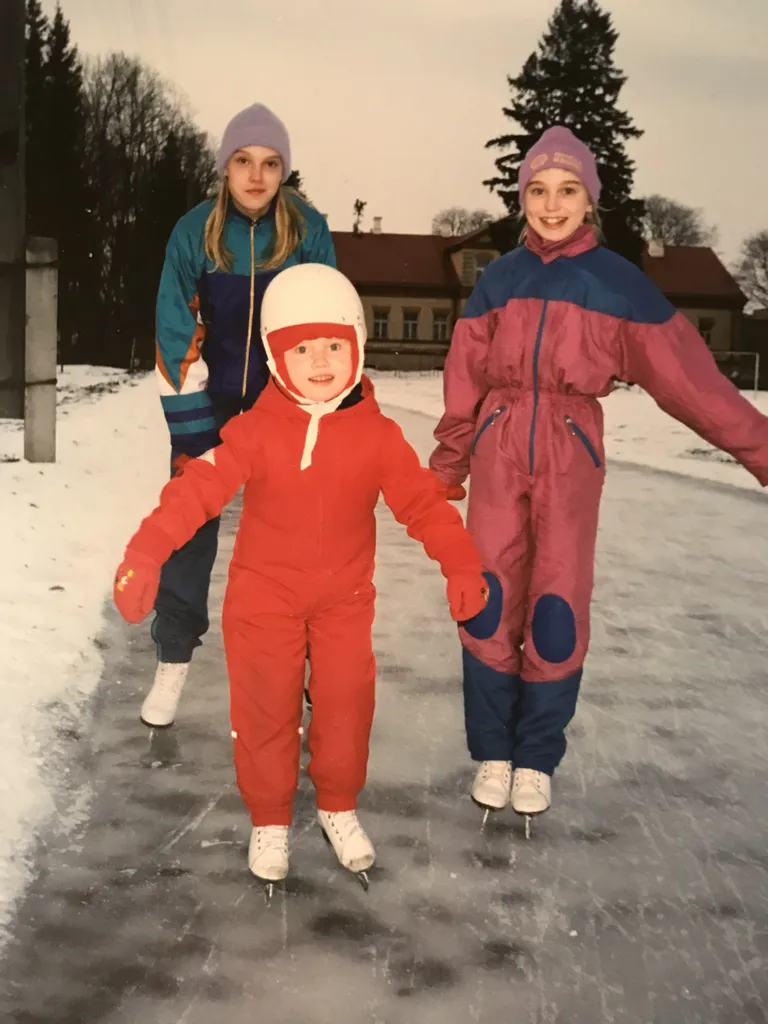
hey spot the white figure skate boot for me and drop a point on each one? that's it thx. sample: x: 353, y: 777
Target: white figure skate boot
x: 490, y: 790
x: 159, y: 708
x: 268, y: 856
x: 531, y: 794
x: 350, y: 843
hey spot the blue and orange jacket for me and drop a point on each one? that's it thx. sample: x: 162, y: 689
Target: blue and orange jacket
x: 554, y: 321
x: 209, y: 352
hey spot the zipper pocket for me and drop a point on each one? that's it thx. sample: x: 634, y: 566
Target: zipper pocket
x: 578, y: 432
x: 488, y: 422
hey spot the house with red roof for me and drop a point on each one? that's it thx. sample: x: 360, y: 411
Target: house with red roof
x: 414, y: 287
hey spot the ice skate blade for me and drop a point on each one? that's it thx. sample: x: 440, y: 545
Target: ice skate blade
x: 528, y: 817
x: 151, y: 725
x: 267, y: 887
x: 487, y: 812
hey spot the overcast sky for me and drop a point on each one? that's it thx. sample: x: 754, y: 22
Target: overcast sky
x: 392, y: 101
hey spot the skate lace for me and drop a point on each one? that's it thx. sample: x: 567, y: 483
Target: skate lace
x: 344, y: 824
x: 528, y: 777
x: 272, y: 838
x: 496, y: 770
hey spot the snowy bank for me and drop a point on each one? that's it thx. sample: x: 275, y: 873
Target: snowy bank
x: 64, y: 529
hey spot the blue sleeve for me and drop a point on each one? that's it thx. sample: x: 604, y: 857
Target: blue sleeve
x: 182, y: 374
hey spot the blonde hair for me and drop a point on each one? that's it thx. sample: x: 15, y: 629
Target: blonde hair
x: 593, y: 218
x: 286, y: 238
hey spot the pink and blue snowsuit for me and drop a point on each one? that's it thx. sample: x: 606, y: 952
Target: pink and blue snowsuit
x: 544, y: 333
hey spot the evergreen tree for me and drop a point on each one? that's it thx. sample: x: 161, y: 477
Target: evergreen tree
x: 294, y: 181
x: 572, y: 80
x: 37, y: 28
x: 65, y: 199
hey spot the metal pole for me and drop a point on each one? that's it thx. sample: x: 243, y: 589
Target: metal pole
x: 12, y: 208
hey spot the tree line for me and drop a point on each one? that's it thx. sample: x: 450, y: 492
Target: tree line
x: 114, y: 158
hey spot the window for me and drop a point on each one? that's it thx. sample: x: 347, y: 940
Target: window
x: 381, y: 324
x: 411, y: 326
x: 707, y: 328
x: 441, y: 325
x: 481, y: 262
x: 467, y: 268
x: 473, y: 264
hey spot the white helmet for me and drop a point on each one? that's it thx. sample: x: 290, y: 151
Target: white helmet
x: 312, y: 296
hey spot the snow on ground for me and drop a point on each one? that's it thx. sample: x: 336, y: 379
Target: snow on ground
x: 64, y: 530
x: 636, y: 430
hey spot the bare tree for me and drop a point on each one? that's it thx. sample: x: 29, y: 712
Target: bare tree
x: 145, y: 164
x: 752, y: 268
x: 674, y: 223
x: 360, y: 206
x: 457, y: 221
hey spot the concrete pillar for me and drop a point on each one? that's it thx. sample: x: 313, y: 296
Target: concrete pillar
x: 41, y: 351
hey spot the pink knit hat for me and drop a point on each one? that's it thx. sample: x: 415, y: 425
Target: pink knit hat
x: 559, y: 147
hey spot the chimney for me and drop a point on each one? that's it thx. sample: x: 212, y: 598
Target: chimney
x: 377, y: 225
x: 656, y: 248
x: 445, y: 230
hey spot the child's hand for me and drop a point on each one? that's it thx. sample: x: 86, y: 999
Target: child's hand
x: 451, y: 492
x: 467, y: 595
x: 179, y: 463
x: 136, y: 585
x: 456, y: 492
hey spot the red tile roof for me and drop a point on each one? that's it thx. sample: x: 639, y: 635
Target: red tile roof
x: 391, y: 260
x: 687, y: 271
x: 423, y: 261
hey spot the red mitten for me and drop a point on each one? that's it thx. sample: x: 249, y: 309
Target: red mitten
x: 136, y: 585
x: 451, y: 492
x: 467, y: 595
x: 179, y: 463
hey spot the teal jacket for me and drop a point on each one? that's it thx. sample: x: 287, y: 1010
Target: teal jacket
x: 209, y: 356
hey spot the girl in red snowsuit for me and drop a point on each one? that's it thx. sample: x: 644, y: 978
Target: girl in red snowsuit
x: 547, y: 328
x: 314, y: 454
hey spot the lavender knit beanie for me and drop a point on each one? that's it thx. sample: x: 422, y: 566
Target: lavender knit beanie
x: 559, y: 147
x: 255, y: 126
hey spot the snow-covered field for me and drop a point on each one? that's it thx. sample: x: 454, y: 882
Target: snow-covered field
x: 64, y: 529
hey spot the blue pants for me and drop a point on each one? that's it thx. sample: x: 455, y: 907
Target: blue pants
x: 508, y: 719
x: 181, y: 608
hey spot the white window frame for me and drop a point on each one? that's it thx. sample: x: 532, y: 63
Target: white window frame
x: 381, y: 319
x: 410, y: 320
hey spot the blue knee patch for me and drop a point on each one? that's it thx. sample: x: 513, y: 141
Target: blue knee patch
x: 484, y: 625
x: 553, y: 629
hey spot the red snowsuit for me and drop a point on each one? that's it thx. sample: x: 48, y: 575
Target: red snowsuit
x: 301, y: 577
x: 546, y: 329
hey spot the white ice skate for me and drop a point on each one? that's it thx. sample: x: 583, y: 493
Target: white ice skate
x: 531, y: 794
x: 159, y: 708
x: 350, y: 843
x: 268, y: 855
x: 490, y: 790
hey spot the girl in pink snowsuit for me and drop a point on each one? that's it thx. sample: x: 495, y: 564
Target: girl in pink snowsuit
x: 546, y: 329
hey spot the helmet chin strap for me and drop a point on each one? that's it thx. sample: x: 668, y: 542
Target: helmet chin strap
x: 315, y: 408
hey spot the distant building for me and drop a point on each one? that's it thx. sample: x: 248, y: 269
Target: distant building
x: 414, y: 288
